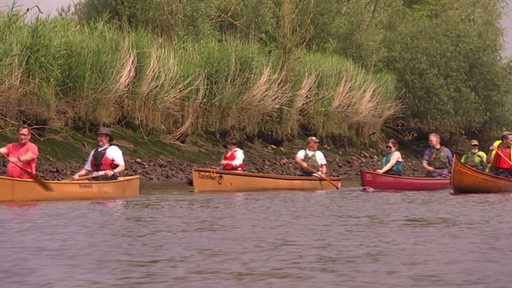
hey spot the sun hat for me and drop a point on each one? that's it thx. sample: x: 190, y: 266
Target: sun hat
x: 105, y: 131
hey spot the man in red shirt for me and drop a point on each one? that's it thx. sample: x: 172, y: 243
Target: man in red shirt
x: 23, y: 153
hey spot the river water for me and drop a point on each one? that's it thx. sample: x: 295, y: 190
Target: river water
x: 171, y: 237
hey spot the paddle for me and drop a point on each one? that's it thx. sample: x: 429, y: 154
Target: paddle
x: 323, y: 177
x: 94, y: 175
x: 31, y: 175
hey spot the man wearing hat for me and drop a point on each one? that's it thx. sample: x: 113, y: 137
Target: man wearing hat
x: 106, y: 161
x: 312, y: 158
x: 474, y: 157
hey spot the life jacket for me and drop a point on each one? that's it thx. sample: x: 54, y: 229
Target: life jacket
x: 398, y: 167
x: 498, y: 161
x: 473, y: 159
x: 438, y: 158
x: 231, y: 156
x: 100, y: 162
x: 311, y: 161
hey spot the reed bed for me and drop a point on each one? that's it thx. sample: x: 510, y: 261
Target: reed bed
x: 55, y: 72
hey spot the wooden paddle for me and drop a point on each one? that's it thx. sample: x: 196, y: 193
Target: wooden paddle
x: 94, y: 175
x: 38, y: 180
x: 323, y: 177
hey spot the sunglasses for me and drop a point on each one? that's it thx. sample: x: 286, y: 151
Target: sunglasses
x: 388, y: 147
x: 475, y: 145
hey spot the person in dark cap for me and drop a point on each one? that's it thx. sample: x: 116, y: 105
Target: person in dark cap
x: 311, y: 158
x: 233, y: 157
x: 474, y: 157
x: 106, y: 161
x: 500, y: 156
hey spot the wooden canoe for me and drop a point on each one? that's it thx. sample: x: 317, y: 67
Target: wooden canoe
x: 214, y: 180
x: 13, y: 190
x: 468, y: 180
x: 373, y: 181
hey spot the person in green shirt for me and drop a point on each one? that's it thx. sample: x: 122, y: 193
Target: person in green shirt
x: 474, y: 157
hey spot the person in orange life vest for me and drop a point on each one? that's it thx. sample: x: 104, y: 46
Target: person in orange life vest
x: 24, y: 153
x: 233, y: 158
x: 106, y: 160
x: 312, y: 158
x: 500, y: 163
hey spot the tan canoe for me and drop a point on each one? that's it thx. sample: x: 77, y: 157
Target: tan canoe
x: 12, y: 189
x: 213, y: 180
x: 465, y: 179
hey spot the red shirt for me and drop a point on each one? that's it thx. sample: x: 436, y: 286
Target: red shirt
x: 16, y: 150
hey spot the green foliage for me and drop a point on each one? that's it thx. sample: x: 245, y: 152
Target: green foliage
x: 253, y: 67
x: 449, y: 68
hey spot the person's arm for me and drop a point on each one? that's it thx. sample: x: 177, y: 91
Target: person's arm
x: 449, y: 155
x: 117, y: 155
x: 239, y: 158
x: 323, y: 169
x: 80, y: 173
x: 27, y: 157
x: 424, y: 161
x: 300, y: 159
x: 483, y: 157
x: 322, y: 162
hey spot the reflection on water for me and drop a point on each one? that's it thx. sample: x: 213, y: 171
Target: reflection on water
x: 170, y: 237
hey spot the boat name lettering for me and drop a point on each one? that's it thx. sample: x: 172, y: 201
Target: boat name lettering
x: 85, y: 186
x: 209, y: 176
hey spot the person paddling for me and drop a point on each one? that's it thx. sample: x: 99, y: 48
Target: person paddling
x: 500, y: 156
x: 310, y: 159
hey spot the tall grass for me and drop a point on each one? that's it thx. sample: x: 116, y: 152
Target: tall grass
x: 58, y: 73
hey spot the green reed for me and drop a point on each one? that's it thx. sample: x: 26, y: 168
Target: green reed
x: 58, y: 73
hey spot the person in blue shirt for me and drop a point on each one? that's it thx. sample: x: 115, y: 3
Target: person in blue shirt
x: 392, y: 163
x: 437, y: 159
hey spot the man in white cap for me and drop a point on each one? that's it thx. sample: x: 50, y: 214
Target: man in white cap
x: 310, y: 159
x: 106, y: 161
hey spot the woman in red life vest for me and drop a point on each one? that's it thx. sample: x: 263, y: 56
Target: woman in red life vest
x: 106, y: 160
x: 233, y: 158
x: 24, y: 153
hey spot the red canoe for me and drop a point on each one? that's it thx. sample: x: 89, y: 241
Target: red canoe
x: 468, y: 180
x: 371, y: 181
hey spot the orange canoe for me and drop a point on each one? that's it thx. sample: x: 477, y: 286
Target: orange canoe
x: 213, y: 180
x: 468, y: 180
x: 12, y: 189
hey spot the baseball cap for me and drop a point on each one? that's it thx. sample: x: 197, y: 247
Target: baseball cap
x: 312, y: 139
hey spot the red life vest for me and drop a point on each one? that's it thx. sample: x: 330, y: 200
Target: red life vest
x: 499, y: 162
x: 100, y: 161
x: 231, y: 156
